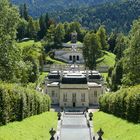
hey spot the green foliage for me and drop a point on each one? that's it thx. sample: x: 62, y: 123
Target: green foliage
x: 9, y: 62
x: 49, y: 60
x: 125, y: 103
x: 36, y: 127
x: 131, y: 58
x: 76, y: 27
x: 115, y: 128
x: 121, y: 45
x: 103, y: 38
x: 91, y: 49
x: 17, y: 64
x: 116, y: 76
x: 112, y: 41
x: 116, y: 17
x: 17, y: 103
x: 127, y: 66
x: 94, y: 44
x: 36, y: 8
x: 33, y: 28
x: 49, y: 39
x: 24, y: 12
x: 22, y: 29
x: 41, y: 80
x: 29, y: 43
x: 33, y: 56
x: 107, y: 59
x: 44, y: 22
x: 59, y: 34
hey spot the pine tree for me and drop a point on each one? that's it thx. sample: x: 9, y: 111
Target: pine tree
x: 117, y: 73
x: 22, y: 29
x: 47, y: 19
x: 25, y: 12
x: 132, y: 58
x: 112, y: 41
x: 103, y: 38
x: 42, y: 25
x: 90, y: 51
x: 33, y: 28
x: 59, y: 34
x: 121, y: 45
x: 67, y: 32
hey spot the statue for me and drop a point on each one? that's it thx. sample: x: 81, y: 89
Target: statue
x: 74, y: 37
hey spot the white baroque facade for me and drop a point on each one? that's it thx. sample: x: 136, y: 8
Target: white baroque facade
x: 70, y: 54
x: 74, y: 88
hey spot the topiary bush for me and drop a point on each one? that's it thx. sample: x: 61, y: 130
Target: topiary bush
x: 124, y: 103
x: 17, y: 103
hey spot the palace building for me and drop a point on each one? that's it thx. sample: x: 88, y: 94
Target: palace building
x: 74, y: 88
x: 71, y: 52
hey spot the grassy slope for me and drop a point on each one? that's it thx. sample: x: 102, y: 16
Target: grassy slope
x: 115, y: 128
x: 107, y: 60
x: 33, y: 128
x: 78, y: 43
x: 28, y: 43
x: 54, y: 61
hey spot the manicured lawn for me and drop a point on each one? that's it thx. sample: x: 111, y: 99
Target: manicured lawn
x: 115, y: 128
x: 78, y: 43
x: 28, y: 43
x: 54, y: 61
x: 33, y: 128
x: 107, y: 60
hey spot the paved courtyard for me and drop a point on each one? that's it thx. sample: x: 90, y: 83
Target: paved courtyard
x: 74, y: 127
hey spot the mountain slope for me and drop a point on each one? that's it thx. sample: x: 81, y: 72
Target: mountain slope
x: 116, y: 16
x: 38, y: 7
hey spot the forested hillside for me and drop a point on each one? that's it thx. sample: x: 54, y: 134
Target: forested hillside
x: 27, y: 47
x: 38, y: 7
x: 115, y: 16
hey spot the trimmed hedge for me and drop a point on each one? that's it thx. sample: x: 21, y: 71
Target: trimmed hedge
x: 124, y: 103
x: 17, y: 103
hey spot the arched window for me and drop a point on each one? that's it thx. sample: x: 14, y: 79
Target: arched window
x: 70, y: 58
x: 74, y: 59
x: 77, y: 57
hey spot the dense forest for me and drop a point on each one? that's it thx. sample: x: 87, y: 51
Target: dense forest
x: 116, y: 17
x: 38, y: 7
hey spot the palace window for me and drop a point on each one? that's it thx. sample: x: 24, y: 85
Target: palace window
x: 95, y: 93
x: 74, y: 97
x: 70, y: 58
x: 65, y: 97
x: 74, y: 59
x: 53, y: 93
x: 77, y: 58
x: 83, y: 97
